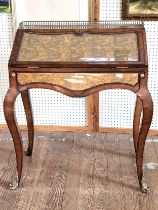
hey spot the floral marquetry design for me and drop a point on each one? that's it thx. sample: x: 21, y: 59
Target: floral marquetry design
x: 77, y: 81
x: 85, y: 47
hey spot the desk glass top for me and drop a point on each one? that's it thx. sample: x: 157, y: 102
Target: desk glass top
x: 86, y: 47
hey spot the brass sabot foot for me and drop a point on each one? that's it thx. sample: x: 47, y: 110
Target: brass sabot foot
x: 28, y: 153
x: 13, y: 185
x: 145, y: 188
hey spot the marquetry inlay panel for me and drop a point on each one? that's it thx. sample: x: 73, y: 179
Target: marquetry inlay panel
x: 79, y: 48
x: 77, y: 81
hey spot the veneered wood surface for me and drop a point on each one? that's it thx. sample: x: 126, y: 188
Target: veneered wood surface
x: 77, y: 81
x: 79, y: 171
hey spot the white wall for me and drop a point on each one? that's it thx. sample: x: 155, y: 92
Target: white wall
x: 36, y: 10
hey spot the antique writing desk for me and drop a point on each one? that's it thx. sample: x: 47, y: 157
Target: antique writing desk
x: 79, y: 59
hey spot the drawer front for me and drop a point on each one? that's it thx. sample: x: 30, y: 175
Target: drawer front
x: 78, y: 81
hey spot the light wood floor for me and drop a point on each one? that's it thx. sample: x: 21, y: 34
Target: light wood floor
x: 79, y: 171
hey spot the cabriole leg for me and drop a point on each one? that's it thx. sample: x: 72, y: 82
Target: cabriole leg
x: 136, y: 122
x: 147, y: 105
x: 29, y: 117
x: 12, y: 125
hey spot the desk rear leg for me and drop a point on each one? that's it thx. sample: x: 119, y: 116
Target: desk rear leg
x: 29, y: 117
x: 136, y: 122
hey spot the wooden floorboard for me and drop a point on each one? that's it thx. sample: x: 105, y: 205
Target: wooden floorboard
x: 128, y: 174
x: 78, y: 171
x: 71, y: 193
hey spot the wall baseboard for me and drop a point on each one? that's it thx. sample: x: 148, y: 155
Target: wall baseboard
x: 125, y: 130
x: 43, y: 128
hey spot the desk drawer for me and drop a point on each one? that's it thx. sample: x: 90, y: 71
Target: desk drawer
x: 78, y: 81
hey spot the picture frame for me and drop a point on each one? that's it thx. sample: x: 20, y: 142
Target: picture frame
x: 5, y: 6
x: 140, y: 9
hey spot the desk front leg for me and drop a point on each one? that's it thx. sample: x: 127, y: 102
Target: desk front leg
x: 29, y: 117
x: 147, y: 106
x: 9, y: 113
